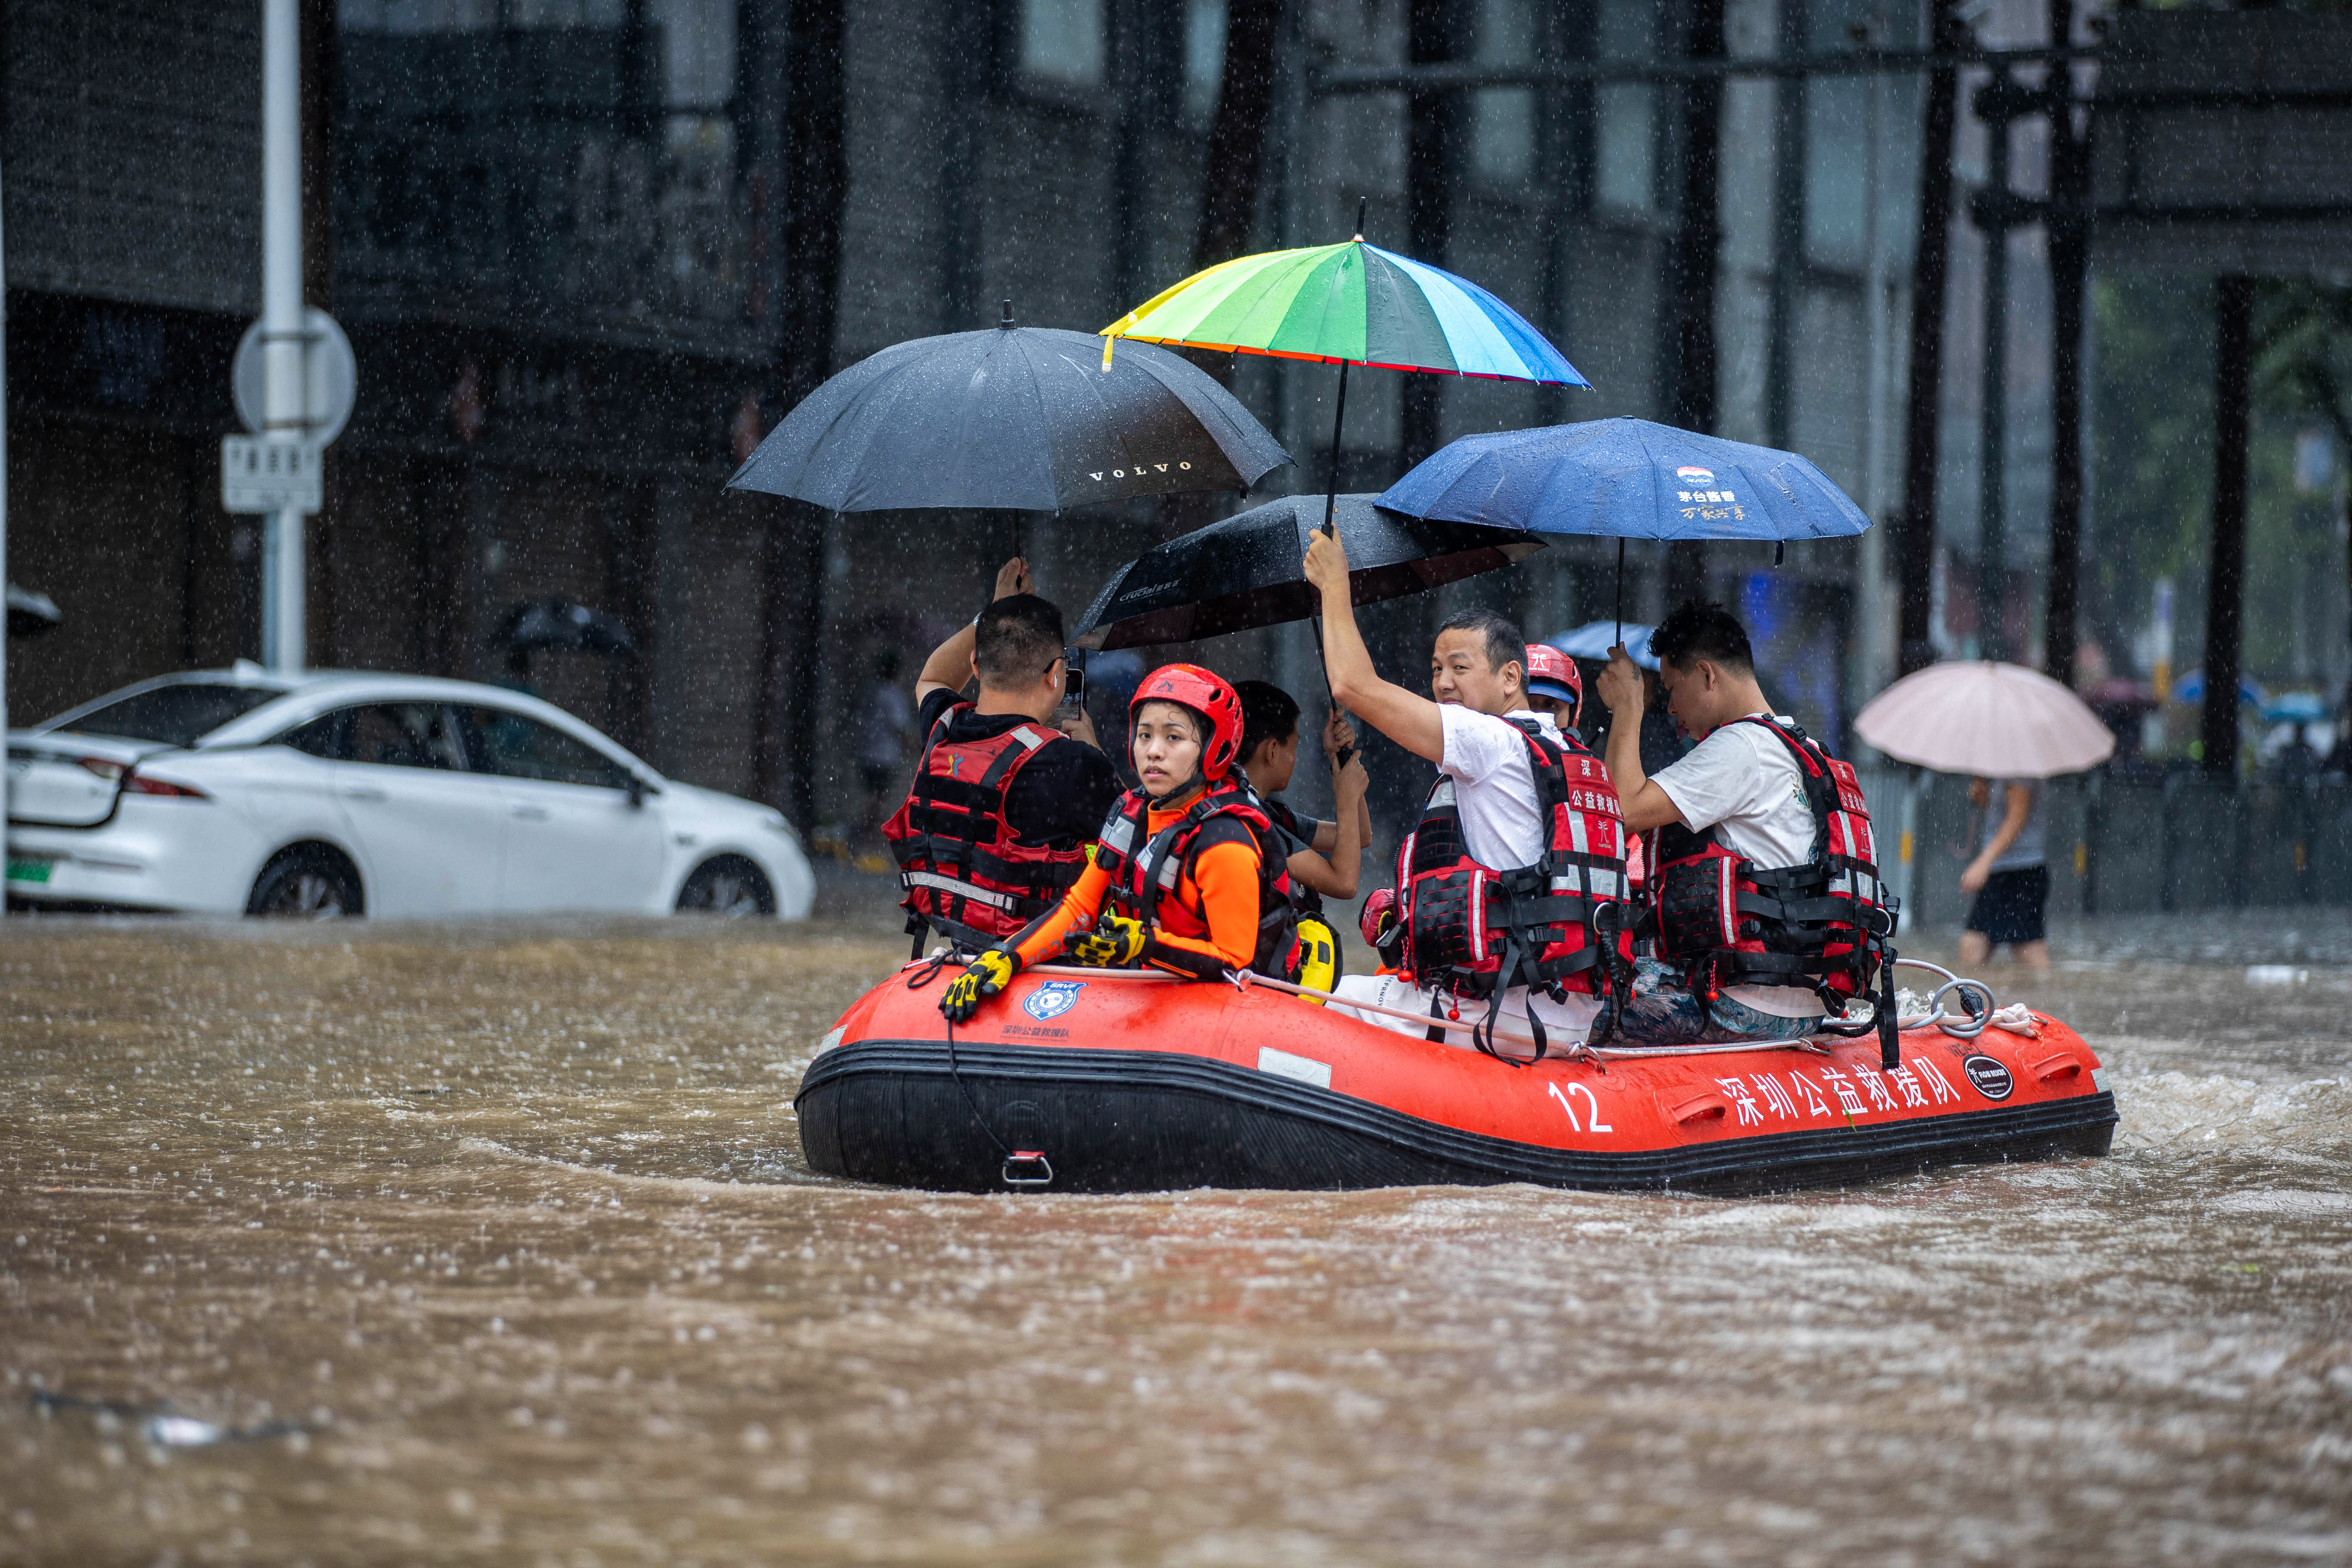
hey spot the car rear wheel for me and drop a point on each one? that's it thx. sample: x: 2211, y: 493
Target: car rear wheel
x: 726, y: 885
x: 306, y: 882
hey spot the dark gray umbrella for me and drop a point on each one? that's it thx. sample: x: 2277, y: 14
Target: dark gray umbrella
x: 31, y: 613
x: 562, y: 625
x: 1024, y: 417
x: 1244, y: 572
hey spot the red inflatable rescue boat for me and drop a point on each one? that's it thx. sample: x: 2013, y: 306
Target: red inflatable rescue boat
x: 1111, y: 1080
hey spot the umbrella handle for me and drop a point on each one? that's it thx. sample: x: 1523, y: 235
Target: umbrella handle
x: 1621, y: 592
x: 1331, y: 495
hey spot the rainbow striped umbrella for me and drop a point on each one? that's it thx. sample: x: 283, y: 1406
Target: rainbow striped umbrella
x: 1346, y: 305
x: 1349, y: 304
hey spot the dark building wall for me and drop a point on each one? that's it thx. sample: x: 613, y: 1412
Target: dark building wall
x: 131, y: 160
x: 119, y: 527
x: 606, y: 372
x: 126, y: 137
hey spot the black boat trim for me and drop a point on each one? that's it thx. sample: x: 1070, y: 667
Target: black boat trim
x: 1102, y: 1148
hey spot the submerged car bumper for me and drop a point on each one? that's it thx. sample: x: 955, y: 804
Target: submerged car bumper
x: 151, y: 857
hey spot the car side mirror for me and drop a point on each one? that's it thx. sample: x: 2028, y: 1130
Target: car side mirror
x: 636, y: 792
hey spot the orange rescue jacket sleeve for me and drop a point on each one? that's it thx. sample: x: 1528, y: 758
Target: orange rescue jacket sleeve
x: 1078, y: 908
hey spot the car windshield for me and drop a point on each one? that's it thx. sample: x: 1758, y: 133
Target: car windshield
x: 176, y: 715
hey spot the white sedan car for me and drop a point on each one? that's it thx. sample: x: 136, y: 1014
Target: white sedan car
x: 393, y: 795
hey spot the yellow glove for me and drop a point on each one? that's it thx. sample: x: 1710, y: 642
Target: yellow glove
x: 984, y: 977
x: 1116, y: 942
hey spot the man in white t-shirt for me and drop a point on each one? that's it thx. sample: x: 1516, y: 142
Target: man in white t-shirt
x: 1478, y: 677
x: 1739, y: 782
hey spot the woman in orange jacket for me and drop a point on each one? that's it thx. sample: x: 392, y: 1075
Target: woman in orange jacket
x: 1187, y: 877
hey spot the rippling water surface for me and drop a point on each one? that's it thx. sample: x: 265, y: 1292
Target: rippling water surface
x: 498, y: 1247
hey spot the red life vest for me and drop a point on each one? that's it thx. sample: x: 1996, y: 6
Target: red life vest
x: 961, y: 865
x: 1557, y: 926
x: 1144, y: 866
x: 1821, y: 926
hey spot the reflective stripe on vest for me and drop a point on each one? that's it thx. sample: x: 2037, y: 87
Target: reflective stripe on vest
x: 962, y: 889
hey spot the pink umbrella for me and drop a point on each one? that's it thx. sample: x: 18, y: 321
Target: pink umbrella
x: 1996, y: 721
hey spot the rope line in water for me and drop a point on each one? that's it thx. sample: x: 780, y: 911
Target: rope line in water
x: 924, y: 974
x: 1976, y: 1021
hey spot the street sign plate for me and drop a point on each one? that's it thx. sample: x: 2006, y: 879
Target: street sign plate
x: 269, y: 476
x: 329, y: 377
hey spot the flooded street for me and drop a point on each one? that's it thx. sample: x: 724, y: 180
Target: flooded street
x: 498, y: 1247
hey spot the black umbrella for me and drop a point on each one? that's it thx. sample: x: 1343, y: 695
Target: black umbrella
x: 1029, y: 418
x: 31, y: 613
x: 1244, y: 572
x: 563, y: 625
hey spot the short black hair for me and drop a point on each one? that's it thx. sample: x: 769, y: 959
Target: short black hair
x: 1017, y: 640
x: 1504, y: 645
x: 1268, y: 713
x: 1703, y: 630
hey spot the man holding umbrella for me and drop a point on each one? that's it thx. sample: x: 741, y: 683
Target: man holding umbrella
x: 1523, y: 818
x: 1736, y: 803
x: 1011, y: 788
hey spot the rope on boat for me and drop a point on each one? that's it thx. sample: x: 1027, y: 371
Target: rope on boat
x: 1974, y: 1023
x: 1581, y: 1050
x: 1971, y: 1021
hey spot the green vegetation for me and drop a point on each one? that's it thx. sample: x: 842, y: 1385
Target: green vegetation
x: 2152, y: 466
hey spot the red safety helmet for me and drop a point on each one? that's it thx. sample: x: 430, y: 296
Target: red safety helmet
x: 1206, y: 693
x: 1552, y: 673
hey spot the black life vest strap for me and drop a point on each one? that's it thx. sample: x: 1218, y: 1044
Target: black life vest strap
x: 1577, y: 962
x: 1798, y: 912
x: 1482, y: 1034
x: 1554, y: 909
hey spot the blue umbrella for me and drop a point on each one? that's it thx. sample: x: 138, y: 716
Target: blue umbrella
x: 1627, y: 478
x: 2296, y: 707
x: 2190, y: 690
x: 1593, y: 640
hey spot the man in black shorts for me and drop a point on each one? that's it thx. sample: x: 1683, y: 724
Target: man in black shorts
x: 1010, y: 789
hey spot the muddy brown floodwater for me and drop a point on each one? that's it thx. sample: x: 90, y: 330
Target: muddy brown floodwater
x: 496, y: 1247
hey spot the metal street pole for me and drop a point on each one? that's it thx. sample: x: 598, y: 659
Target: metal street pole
x: 1879, y: 632
x: 1998, y: 103
x: 284, y: 400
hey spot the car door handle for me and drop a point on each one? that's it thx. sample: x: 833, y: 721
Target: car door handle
x: 532, y: 813
x: 363, y: 792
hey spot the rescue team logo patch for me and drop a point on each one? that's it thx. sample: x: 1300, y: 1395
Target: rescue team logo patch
x: 1053, y: 999
x: 1992, y: 1078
